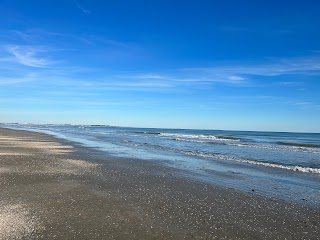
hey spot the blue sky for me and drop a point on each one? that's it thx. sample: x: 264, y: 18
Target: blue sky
x: 242, y: 65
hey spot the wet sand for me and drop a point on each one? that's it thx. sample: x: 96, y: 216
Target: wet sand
x: 54, y: 189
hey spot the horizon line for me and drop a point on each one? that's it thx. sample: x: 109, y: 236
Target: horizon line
x: 117, y: 126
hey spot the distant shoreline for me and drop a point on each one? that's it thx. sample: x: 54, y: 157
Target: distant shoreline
x: 116, y: 126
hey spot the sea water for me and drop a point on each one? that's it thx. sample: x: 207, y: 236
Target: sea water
x: 276, y: 164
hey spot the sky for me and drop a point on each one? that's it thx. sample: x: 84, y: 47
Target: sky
x: 204, y: 64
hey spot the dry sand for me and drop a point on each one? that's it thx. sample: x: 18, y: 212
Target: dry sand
x: 52, y: 189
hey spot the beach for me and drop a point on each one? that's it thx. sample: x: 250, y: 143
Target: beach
x: 57, y: 189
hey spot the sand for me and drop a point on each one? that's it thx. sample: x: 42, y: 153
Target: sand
x: 54, y: 189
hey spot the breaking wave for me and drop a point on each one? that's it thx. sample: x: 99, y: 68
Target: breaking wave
x: 266, y: 164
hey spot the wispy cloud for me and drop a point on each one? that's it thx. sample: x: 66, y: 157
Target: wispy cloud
x: 15, y: 80
x: 178, y: 77
x: 236, y: 78
x: 84, y: 10
x: 34, y: 36
x: 233, y: 75
x: 27, y: 56
x: 98, y: 40
x: 32, y: 55
x: 290, y: 83
x: 147, y: 76
x: 262, y: 30
x: 307, y: 66
x: 102, y: 85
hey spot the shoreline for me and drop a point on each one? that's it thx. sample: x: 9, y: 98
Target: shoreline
x: 297, y: 187
x: 58, y: 190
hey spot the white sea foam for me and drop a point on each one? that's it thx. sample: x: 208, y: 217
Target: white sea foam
x: 104, y: 133
x: 243, y: 160
x: 236, y: 159
x: 249, y: 145
x: 283, y: 148
x: 200, y: 136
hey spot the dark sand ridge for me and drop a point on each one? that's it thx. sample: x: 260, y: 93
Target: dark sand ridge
x: 53, y: 189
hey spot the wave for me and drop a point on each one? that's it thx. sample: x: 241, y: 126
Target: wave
x: 148, y: 133
x: 281, y: 148
x: 232, y: 158
x: 247, y: 145
x: 105, y: 133
x: 266, y: 164
x: 229, y: 138
x: 187, y: 137
x: 294, y: 144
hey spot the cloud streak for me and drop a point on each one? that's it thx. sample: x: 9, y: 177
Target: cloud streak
x: 306, y: 65
x: 27, y: 56
x: 82, y: 9
x: 16, y: 80
x: 234, y: 75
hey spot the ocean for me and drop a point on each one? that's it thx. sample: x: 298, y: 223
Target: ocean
x: 273, y: 164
